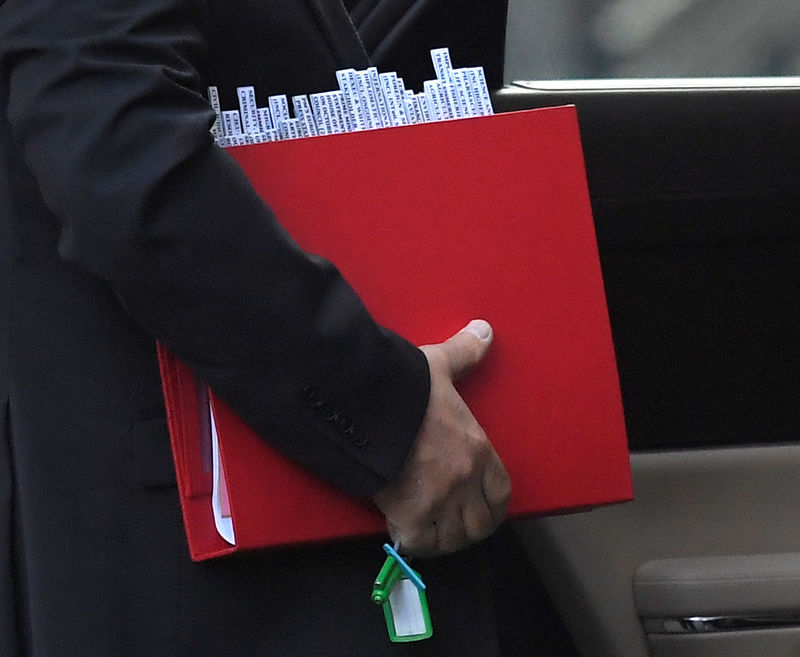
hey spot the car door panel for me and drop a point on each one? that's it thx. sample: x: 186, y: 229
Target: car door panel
x: 688, y: 504
x: 695, y: 192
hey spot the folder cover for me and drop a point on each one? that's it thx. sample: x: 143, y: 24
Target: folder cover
x: 433, y: 225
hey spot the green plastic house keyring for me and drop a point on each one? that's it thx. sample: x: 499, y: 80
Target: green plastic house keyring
x: 405, y: 605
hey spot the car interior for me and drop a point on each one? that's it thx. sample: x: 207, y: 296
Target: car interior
x: 688, y: 112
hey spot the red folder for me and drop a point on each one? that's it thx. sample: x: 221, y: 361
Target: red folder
x: 433, y: 225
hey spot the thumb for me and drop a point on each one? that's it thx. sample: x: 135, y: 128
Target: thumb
x: 467, y: 348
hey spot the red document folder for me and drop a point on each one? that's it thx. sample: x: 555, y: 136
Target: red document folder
x: 433, y: 225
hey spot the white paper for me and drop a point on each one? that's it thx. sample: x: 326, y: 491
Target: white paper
x: 223, y: 524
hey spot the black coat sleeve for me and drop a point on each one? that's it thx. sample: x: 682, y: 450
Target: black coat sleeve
x: 104, y: 105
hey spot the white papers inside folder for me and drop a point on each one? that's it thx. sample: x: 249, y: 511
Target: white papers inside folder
x: 219, y: 491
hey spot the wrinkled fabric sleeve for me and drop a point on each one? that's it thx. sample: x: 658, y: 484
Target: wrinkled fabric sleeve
x: 107, y: 115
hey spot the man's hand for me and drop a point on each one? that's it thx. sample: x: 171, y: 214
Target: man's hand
x: 453, y: 489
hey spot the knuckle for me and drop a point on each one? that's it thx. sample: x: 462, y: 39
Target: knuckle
x: 451, y: 541
x: 504, y: 485
x: 462, y: 468
x: 478, y: 522
x: 419, y: 542
x: 497, y: 483
x: 503, y: 488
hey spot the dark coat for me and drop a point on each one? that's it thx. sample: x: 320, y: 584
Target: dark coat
x: 121, y: 223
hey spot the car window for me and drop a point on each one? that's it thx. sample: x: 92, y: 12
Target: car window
x: 588, y: 39
x: 695, y: 189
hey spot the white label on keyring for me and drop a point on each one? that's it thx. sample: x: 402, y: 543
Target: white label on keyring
x: 409, y: 619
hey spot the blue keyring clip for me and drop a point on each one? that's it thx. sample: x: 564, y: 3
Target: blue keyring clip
x: 412, y: 575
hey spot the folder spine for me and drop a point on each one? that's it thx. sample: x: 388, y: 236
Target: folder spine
x: 377, y: 92
x: 321, y: 112
x: 248, y: 109
x: 442, y: 64
x: 395, y: 99
x: 302, y: 110
x: 367, y: 95
x: 231, y: 123
x: 466, y: 93
x: 425, y: 109
x: 213, y: 99
x: 264, y: 119
x: 355, y: 105
x: 339, y: 112
x: 279, y: 109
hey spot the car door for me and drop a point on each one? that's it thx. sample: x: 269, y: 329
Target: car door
x: 695, y: 186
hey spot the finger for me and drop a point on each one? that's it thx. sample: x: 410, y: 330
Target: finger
x: 451, y: 533
x: 467, y: 348
x: 415, y: 531
x: 394, y: 533
x: 419, y: 541
x: 478, y: 520
x: 496, y: 488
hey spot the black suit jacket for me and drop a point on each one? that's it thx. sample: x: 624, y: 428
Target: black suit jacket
x: 122, y: 223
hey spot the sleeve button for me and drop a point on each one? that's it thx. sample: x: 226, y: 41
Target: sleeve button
x: 328, y: 413
x: 359, y: 439
x: 343, y: 424
x: 311, y: 396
